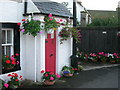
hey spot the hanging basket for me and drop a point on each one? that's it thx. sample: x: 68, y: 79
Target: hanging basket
x: 48, y: 82
x: 8, y: 68
x: 112, y: 61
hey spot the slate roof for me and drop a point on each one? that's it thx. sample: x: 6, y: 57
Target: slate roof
x: 53, y: 8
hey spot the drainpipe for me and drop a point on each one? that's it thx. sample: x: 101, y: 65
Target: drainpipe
x: 25, y: 7
x: 74, y: 59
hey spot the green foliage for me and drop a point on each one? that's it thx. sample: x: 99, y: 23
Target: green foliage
x: 68, y: 32
x: 50, y: 23
x: 50, y: 76
x: 67, y: 68
x: 32, y: 27
x: 104, y: 22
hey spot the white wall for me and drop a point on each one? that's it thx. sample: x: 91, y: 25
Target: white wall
x: 13, y: 13
x: 64, y: 51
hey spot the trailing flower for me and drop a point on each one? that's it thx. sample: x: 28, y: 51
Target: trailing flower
x: 9, y: 62
x: 68, y: 32
x: 32, y: 27
x: 50, y: 23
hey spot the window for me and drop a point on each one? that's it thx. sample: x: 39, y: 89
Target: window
x: 7, y: 42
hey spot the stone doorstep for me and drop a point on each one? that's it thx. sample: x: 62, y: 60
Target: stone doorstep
x: 86, y: 68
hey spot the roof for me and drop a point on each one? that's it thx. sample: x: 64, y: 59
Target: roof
x: 53, y: 8
x: 102, y: 14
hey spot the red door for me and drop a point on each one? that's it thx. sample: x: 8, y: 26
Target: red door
x: 50, y: 53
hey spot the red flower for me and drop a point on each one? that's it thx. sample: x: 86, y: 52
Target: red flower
x: 17, y: 54
x: 16, y: 75
x: 76, y: 69
x: 8, y: 61
x: 20, y: 76
x: 18, y: 24
x: 13, y: 56
x: 23, y: 20
x: 19, y: 30
x: 57, y: 22
x: 51, y: 73
x: 61, y: 20
x: 9, y: 75
x: 46, y: 75
x: 7, y: 56
x: 42, y: 71
x: 16, y: 80
x: 13, y: 62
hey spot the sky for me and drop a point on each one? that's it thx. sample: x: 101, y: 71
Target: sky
x: 100, y: 4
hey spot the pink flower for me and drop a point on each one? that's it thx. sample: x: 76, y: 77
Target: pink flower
x: 23, y: 30
x: 57, y: 22
x: 51, y: 73
x: 58, y: 76
x: 46, y: 75
x: 40, y: 32
x: 17, y: 54
x: 50, y: 19
x: 18, y: 62
x: 13, y: 59
x: 51, y: 78
x: 50, y: 15
x: 6, y: 85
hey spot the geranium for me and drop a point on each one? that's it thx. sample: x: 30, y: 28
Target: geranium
x: 50, y: 76
x: 9, y: 62
x: 32, y: 27
x: 15, y: 80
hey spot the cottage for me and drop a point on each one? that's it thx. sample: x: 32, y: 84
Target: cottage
x: 43, y: 52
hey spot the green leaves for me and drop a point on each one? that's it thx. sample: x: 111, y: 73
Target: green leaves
x: 32, y: 27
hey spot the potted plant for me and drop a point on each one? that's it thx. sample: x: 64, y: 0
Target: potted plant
x: 50, y: 23
x: 50, y: 78
x: 67, y: 71
x: 93, y: 57
x: 31, y: 27
x: 13, y: 83
x: 9, y: 62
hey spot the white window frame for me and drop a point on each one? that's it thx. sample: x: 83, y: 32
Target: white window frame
x: 9, y: 44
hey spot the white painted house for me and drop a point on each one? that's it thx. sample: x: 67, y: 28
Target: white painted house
x: 33, y: 50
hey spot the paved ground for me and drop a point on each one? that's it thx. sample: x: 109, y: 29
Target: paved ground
x: 97, y: 78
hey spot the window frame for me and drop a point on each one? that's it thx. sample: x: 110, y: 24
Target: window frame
x: 12, y: 41
x: 16, y: 44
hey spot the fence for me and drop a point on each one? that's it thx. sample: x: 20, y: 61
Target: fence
x: 98, y: 39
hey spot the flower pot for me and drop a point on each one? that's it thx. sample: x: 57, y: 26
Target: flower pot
x: 94, y: 60
x: 103, y: 61
x: 111, y: 61
x: 8, y: 68
x: 48, y: 82
x: 68, y: 75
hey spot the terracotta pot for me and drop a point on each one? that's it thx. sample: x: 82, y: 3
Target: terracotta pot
x: 48, y: 82
x: 8, y: 68
x: 68, y: 75
x: 103, y: 61
x: 94, y: 60
x: 112, y: 61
